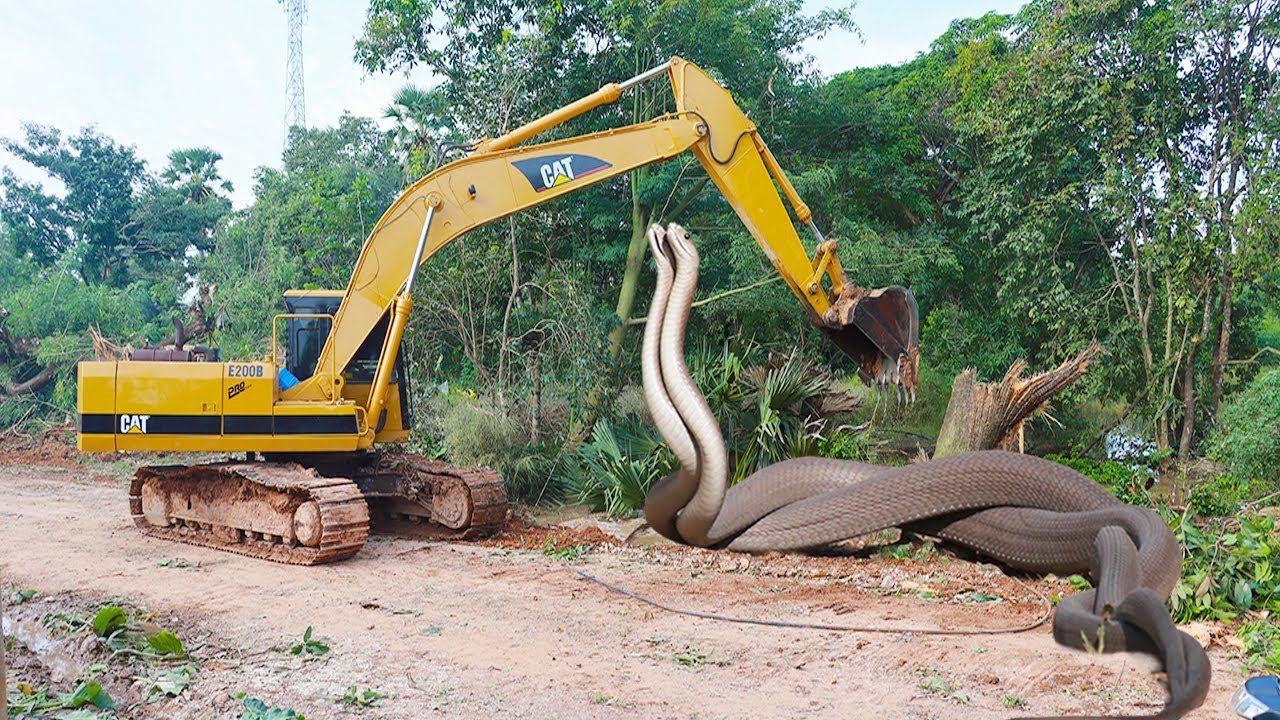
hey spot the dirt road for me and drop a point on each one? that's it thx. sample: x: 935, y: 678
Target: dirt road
x: 494, y: 631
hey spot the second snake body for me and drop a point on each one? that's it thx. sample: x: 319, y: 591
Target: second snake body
x: 1025, y: 512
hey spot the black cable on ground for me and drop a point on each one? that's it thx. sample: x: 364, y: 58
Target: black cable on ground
x: 1048, y: 610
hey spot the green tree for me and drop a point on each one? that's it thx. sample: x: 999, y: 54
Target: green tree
x: 305, y: 228
x: 175, y: 216
x: 110, y: 251
x: 195, y: 172
x: 1176, y: 97
x: 99, y: 177
x: 1084, y: 170
x: 553, y: 52
x: 422, y: 122
x: 1248, y: 441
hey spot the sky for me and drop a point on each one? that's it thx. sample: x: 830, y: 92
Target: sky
x: 161, y: 75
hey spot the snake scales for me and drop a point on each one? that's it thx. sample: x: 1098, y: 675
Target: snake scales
x: 1025, y: 512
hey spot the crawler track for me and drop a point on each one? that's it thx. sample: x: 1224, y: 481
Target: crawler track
x: 281, y: 512
x: 452, y: 502
x: 291, y: 513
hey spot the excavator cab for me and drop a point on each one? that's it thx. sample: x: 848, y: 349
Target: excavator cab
x: 306, y: 334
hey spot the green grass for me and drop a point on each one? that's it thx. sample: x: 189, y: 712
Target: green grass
x: 571, y: 552
x: 691, y: 657
x: 1012, y: 701
x: 937, y: 685
x: 310, y: 647
x: 356, y: 697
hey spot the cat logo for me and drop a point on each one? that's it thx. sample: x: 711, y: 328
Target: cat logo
x: 134, y: 423
x: 552, y: 171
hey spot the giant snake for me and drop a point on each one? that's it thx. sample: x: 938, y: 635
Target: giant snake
x: 1022, y: 511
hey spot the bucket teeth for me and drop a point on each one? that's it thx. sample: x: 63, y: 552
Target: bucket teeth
x: 880, y: 330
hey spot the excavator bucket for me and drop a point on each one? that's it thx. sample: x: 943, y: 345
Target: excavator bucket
x: 880, y: 330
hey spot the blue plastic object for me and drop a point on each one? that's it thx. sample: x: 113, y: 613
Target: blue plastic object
x: 1259, y: 699
x: 287, y: 379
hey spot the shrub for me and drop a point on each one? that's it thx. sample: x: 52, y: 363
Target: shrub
x: 469, y: 431
x: 1232, y: 567
x: 845, y: 443
x: 472, y: 432
x: 1248, y: 440
x: 768, y: 410
x: 771, y: 409
x: 1126, y: 481
x: 540, y: 474
x: 1220, y: 496
x: 619, y: 465
x: 1261, y: 640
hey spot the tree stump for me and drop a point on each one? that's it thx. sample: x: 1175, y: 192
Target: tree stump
x: 988, y: 416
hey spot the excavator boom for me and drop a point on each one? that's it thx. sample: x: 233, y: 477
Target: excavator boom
x: 878, y: 329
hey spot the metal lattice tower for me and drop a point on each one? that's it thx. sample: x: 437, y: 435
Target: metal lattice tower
x: 294, y: 93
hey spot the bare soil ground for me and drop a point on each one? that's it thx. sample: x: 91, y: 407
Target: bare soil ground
x: 506, y: 628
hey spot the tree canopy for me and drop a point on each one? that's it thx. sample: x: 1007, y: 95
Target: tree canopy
x: 1068, y: 173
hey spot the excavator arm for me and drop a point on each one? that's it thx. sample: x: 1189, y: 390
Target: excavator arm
x: 879, y: 328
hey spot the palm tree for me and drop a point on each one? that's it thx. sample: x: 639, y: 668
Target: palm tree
x: 194, y: 172
x: 422, y: 121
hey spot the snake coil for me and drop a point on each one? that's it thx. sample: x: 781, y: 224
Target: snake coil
x: 1025, y: 512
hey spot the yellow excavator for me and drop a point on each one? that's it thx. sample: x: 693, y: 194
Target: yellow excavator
x: 309, y: 415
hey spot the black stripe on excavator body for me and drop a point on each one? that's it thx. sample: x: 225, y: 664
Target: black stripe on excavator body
x: 316, y: 424
x: 246, y: 425
x: 97, y: 424
x: 175, y: 424
x: 105, y: 424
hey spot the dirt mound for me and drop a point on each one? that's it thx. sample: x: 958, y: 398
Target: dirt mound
x: 522, y: 535
x: 56, y: 447
x: 53, y: 446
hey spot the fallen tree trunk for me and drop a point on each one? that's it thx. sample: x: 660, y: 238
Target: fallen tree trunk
x: 10, y: 346
x: 33, y: 383
x: 21, y: 352
x: 988, y: 416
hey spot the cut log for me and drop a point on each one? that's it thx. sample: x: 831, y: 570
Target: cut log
x: 989, y: 416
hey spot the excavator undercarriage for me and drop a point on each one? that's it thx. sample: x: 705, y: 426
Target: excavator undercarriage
x: 288, y: 512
